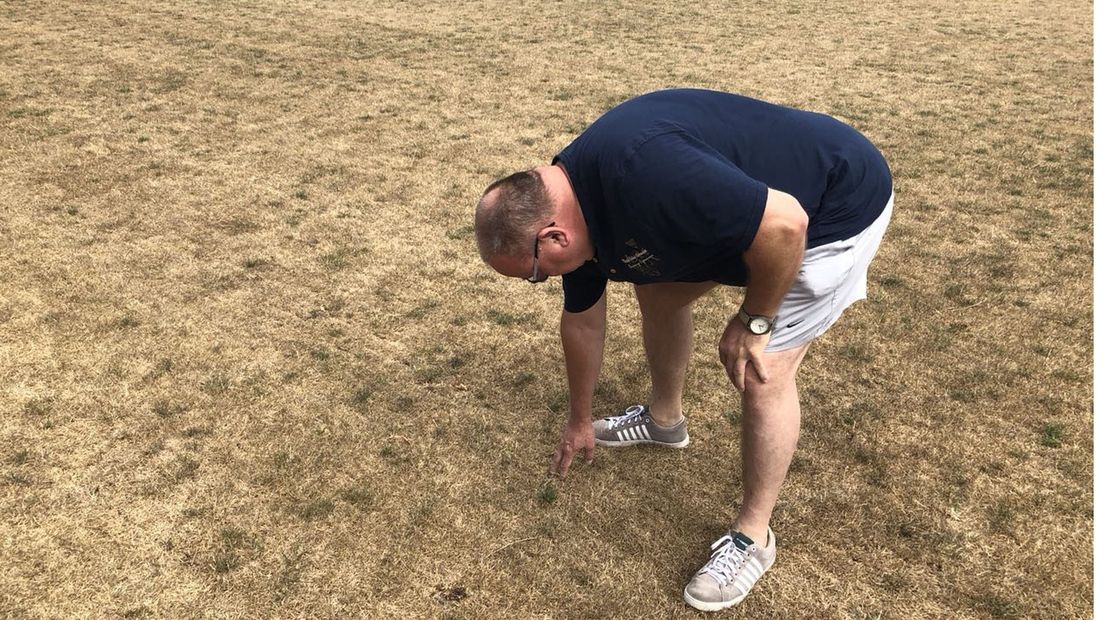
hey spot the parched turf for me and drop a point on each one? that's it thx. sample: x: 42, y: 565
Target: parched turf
x: 252, y: 366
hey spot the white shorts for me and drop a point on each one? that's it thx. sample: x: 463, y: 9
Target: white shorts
x: 832, y: 277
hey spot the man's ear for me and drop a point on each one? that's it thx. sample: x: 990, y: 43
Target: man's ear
x: 560, y: 237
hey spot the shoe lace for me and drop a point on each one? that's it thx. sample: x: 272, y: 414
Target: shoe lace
x: 726, y: 563
x: 630, y: 416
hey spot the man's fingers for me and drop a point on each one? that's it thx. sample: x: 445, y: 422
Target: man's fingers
x: 565, y: 462
x: 588, y: 454
x: 565, y: 453
x: 554, y: 466
x: 760, y: 369
x: 730, y: 368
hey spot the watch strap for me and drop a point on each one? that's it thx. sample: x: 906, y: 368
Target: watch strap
x: 746, y: 319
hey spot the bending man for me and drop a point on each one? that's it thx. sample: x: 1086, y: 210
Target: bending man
x: 677, y: 192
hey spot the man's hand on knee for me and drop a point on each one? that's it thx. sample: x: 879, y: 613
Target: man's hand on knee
x: 740, y: 348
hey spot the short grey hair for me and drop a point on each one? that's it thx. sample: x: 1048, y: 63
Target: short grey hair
x: 510, y: 213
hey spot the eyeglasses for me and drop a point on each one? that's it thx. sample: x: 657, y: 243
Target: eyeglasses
x: 536, y: 278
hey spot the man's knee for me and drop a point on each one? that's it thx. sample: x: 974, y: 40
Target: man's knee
x: 756, y: 388
x: 781, y: 369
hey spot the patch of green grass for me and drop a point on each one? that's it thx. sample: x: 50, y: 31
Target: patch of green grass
x: 315, y: 509
x: 225, y: 561
x: 254, y: 263
x: 320, y: 354
x: 216, y: 384
x: 21, y: 457
x: 235, y: 538
x: 232, y: 543
x: 126, y: 321
x: 994, y: 468
x: 506, y: 319
x: 957, y: 294
x: 732, y: 417
x: 998, y: 606
x: 1002, y: 271
x: 1002, y: 517
x: 464, y: 232
x: 37, y: 407
x: 287, y: 577
x: 547, y: 492
x: 161, y: 369
x: 281, y: 459
x: 136, y: 613
x: 1052, y: 433
x: 154, y: 448
x: 857, y: 353
x: 163, y: 408
x: 193, y: 432
x: 338, y: 259
x: 963, y: 395
x: 1065, y: 374
x: 27, y: 112
x: 183, y: 468
x: 363, y: 396
x: 423, y: 309
x: 450, y: 594
x: 237, y: 225
x: 523, y: 378
x: 422, y: 511
x: 429, y: 374
x: 359, y: 496
x: 17, y: 478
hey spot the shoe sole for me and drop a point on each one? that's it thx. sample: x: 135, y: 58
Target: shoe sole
x: 704, y: 606
x: 635, y: 442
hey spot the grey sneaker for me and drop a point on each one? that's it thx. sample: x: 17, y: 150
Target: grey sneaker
x: 734, y: 565
x: 636, y: 426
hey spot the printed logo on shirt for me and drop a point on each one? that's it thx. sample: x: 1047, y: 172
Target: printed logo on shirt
x: 642, y: 260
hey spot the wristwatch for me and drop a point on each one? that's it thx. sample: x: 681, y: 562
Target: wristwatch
x: 756, y: 323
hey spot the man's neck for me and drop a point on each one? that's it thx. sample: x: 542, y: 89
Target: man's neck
x: 568, y: 212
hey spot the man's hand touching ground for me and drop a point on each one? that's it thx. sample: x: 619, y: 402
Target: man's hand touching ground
x: 577, y: 439
x: 739, y: 348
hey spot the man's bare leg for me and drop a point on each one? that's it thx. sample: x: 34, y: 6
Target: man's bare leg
x: 668, y: 329
x: 771, y: 422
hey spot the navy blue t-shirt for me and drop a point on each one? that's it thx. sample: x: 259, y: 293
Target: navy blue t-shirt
x: 673, y: 185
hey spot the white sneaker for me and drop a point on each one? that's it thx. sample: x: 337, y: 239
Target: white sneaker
x: 734, y: 565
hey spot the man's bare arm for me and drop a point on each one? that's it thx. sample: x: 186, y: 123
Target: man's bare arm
x: 583, y: 335
x: 773, y: 260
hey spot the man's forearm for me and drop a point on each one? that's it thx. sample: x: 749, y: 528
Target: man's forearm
x: 583, y: 335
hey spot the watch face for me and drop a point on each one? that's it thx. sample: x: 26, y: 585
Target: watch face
x: 759, y: 326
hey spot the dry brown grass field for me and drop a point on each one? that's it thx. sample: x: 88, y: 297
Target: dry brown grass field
x: 251, y: 365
